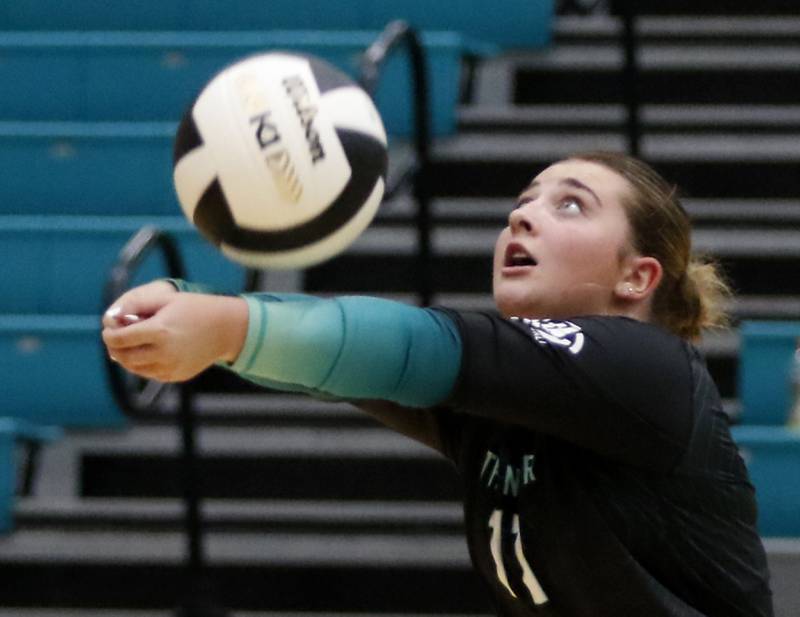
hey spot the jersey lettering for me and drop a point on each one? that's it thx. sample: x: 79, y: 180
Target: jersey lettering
x: 553, y: 332
x: 505, y: 477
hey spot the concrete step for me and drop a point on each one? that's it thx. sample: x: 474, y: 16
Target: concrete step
x: 372, y: 464
x: 370, y: 573
x: 724, y: 165
x: 653, y: 117
x: 669, y: 73
x: 272, y: 572
x: 231, y: 515
x: 709, y: 29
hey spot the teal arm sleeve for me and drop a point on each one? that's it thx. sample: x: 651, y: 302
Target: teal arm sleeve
x: 189, y: 287
x: 352, y: 348
x: 186, y: 286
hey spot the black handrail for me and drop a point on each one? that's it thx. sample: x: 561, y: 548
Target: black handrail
x: 130, y: 257
x: 395, y: 34
x: 195, y: 602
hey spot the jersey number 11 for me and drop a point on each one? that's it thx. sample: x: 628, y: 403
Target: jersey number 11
x: 528, y: 577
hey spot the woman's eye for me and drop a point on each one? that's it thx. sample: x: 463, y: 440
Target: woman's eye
x: 571, y: 205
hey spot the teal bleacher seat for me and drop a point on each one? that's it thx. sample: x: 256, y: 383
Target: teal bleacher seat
x: 154, y: 76
x: 58, y: 265
x: 55, y: 269
x: 54, y: 373
x: 512, y: 23
x: 767, y: 353
x: 87, y: 168
x: 770, y: 448
x: 772, y: 455
x: 11, y: 432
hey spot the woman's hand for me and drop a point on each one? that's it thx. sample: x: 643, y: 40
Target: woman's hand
x: 176, y: 335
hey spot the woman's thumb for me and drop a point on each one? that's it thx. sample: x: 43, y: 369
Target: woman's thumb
x: 139, y: 303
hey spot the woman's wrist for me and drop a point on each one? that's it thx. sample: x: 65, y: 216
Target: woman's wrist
x: 230, y: 322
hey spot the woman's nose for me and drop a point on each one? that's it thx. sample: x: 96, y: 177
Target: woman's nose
x: 520, y: 220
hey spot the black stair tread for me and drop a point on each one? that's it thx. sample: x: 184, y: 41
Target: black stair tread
x: 228, y: 548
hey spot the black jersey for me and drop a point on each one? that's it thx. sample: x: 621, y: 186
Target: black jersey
x: 600, y: 476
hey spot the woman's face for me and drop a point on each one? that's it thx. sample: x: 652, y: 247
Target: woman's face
x: 562, y: 252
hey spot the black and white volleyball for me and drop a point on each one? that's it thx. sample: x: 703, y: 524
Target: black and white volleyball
x: 280, y: 161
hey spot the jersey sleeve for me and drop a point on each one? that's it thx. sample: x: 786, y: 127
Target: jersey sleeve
x: 351, y: 348
x: 616, y: 386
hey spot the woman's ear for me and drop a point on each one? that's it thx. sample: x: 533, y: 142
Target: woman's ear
x: 642, y: 276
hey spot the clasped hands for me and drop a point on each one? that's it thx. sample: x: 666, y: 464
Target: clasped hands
x: 159, y: 333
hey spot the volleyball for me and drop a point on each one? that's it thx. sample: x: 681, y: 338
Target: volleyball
x: 280, y: 161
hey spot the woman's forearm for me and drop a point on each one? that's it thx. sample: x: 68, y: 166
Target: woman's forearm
x: 353, y: 347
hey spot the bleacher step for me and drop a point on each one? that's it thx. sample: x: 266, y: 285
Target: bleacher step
x: 263, y: 516
x: 713, y: 29
x: 703, y: 118
x: 273, y: 572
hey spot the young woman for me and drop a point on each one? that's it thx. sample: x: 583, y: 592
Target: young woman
x: 599, y: 473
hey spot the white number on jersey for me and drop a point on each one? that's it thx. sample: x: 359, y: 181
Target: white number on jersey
x: 528, y: 577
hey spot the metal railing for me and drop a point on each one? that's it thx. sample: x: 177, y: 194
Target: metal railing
x: 137, y: 402
x: 395, y: 34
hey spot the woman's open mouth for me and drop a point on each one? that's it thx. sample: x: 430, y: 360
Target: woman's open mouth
x: 517, y: 259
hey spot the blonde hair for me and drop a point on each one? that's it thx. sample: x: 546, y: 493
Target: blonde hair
x: 692, y: 293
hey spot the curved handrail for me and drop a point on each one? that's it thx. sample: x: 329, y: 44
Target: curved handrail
x: 130, y: 257
x: 398, y: 33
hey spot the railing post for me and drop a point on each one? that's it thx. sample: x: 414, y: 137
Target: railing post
x: 630, y: 76
x: 395, y: 33
x: 196, y: 600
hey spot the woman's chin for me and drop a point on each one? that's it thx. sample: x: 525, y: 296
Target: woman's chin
x: 510, y: 305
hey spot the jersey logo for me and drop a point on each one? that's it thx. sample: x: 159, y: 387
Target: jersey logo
x: 553, y: 332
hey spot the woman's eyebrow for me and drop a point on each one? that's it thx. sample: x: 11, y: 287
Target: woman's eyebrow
x: 573, y: 182
x: 580, y: 185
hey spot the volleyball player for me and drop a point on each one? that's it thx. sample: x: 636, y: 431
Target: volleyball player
x: 600, y: 477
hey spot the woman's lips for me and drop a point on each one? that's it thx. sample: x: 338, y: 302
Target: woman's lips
x: 517, y: 259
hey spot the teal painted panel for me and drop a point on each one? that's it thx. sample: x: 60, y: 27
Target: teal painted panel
x: 772, y: 455
x: 509, y: 24
x: 765, y: 370
x: 60, y: 265
x: 110, y: 77
x: 53, y: 372
x: 512, y: 23
x: 88, y: 169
